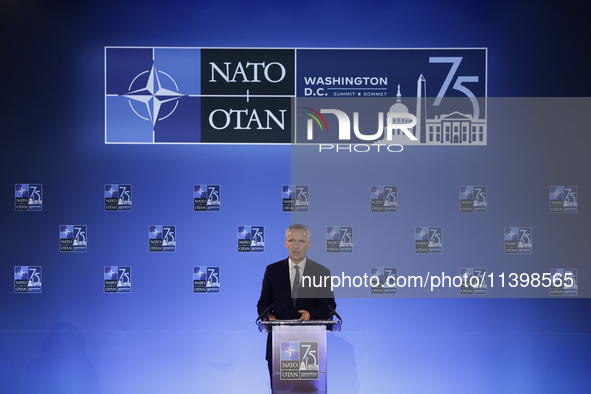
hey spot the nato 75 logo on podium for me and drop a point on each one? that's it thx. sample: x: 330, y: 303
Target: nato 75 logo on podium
x: 299, y: 360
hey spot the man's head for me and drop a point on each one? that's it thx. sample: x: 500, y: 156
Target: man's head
x: 297, y: 242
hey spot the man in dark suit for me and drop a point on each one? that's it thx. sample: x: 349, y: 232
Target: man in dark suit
x: 284, y: 296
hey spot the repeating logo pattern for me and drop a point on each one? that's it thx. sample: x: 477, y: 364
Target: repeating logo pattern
x: 27, y: 279
x: 473, y: 281
x: 73, y: 238
x: 563, y: 199
x: 384, y: 199
x: 428, y: 240
x: 162, y: 238
x: 251, y: 239
x: 206, y: 280
x: 299, y: 360
x: 117, y: 279
x: 207, y: 198
x: 518, y: 240
x: 339, y: 239
x: 28, y: 197
x: 386, y: 280
x: 295, y: 198
x: 473, y: 199
x: 117, y: 197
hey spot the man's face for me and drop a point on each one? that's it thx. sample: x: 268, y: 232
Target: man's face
x: 297, y: 245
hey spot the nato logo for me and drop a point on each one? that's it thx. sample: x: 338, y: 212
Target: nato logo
x: 117, y: 279
x: 206, y: 280
x: 563, y: 199
x: 251, y: 238
x: 27, y: 279
x: 383, y: 280
x: 207, y: 198
x: 28, y: 197
x: 162, y: 239
x: 384, y: 198
x: 117, y: 197
x: 152, y: 95
x: 564, y: 282
x: 299, y: 360
x: 73, y: 238
x: 339, y: 239
x: 428, y: 240
x: 518, y: 240
x: 473, y: 199
x: 473, y: 281
x: 295, y: 198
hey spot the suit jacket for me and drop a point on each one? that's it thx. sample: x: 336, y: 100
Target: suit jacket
x: 276, y: 293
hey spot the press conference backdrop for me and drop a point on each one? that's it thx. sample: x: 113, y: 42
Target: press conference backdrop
x: 154, y: 155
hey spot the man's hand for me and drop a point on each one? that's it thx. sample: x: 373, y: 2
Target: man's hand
x: 305, y: 315
x: 271, y: 317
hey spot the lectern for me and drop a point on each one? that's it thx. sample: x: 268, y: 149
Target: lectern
x: 299, y: 354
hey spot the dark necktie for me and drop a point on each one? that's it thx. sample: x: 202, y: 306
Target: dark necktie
x: 296, y: 285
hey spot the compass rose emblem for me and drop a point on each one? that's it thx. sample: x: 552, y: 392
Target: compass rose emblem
x: 153, y: 95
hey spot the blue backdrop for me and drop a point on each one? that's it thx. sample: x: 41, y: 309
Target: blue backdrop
x: 163, y: 338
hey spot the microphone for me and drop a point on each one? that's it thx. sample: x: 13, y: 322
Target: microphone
x: 274, y: 303
x: 263, y: 314
x: 332, y: 310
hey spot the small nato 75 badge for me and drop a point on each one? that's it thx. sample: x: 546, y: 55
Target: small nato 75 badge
x: 117, y: 197
x: 384, y: 199
x: 73, y: 238
x: 207, y: 198
x: 473, y: 281
x: 27, y: 279
x: 518, y: 240
x: 563, y: 199
x: 428, y: 240
x: 295, y: 198
x: 473, y: 199
x: 162, y: 238
x: 117, y: 279
x: 28, y: 197
x: 251, y: 239
x: 339, y: 239
x: 206, y: 280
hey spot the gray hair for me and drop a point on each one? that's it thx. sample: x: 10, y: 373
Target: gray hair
x: 298, y: 227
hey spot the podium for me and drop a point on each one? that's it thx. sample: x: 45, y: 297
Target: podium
x: 299, y: 354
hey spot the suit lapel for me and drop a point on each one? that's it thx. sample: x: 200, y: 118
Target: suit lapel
x: 285, y: 281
